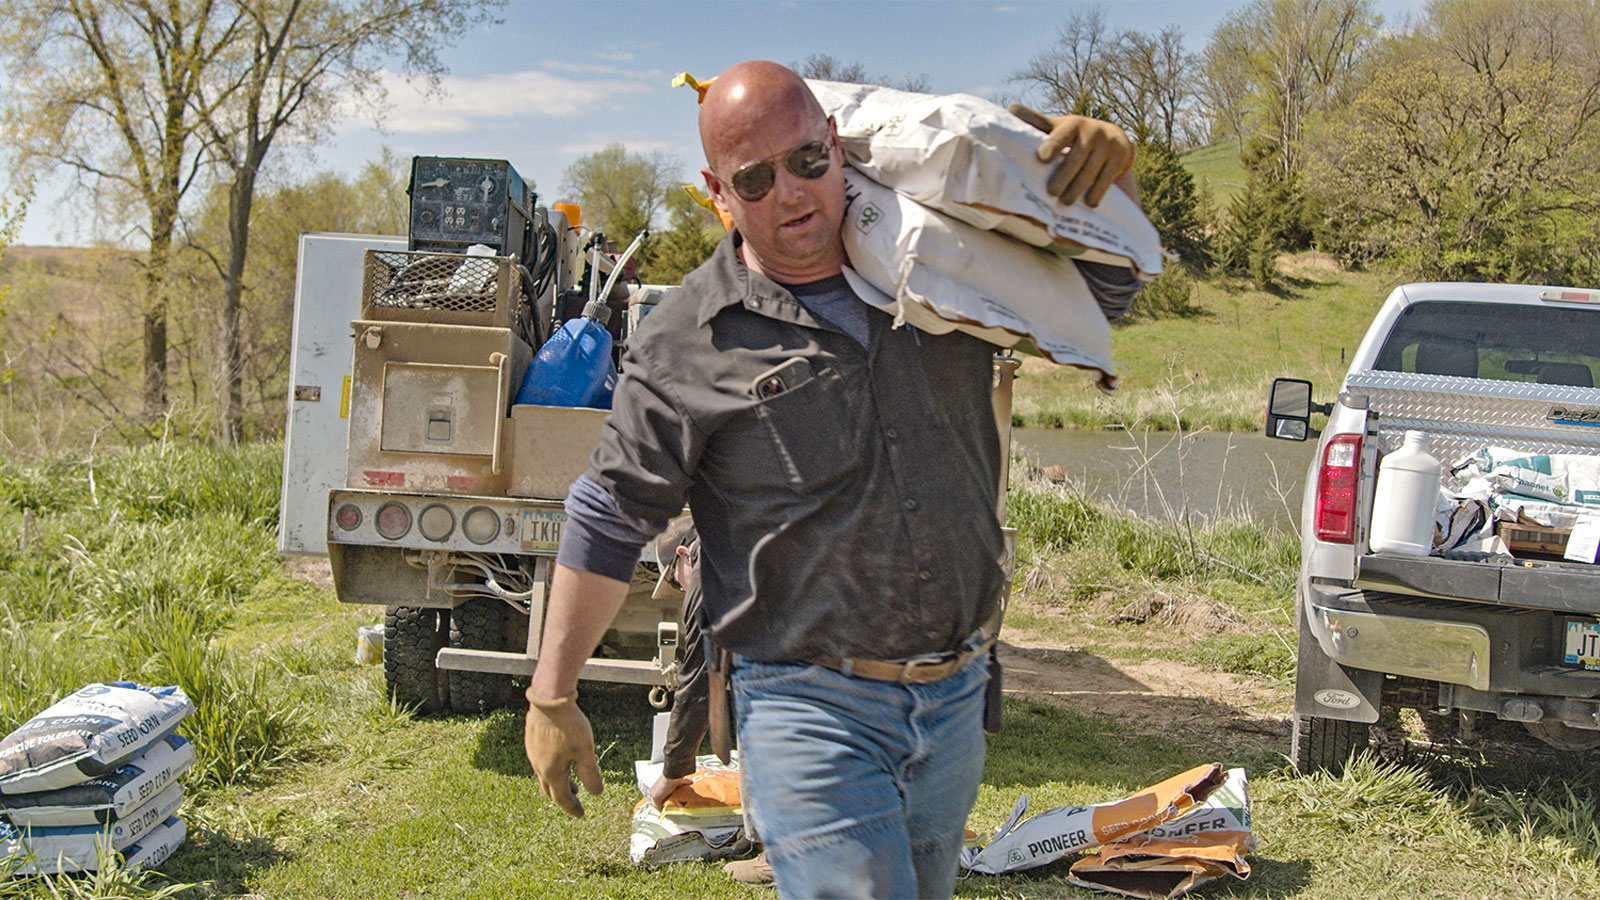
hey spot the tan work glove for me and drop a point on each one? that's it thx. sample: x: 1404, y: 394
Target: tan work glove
x: 1101, y: 154
x: 557, y: 736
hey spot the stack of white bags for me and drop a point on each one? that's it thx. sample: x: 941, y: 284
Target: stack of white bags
x: 94, y: 778
x: 951, y: 227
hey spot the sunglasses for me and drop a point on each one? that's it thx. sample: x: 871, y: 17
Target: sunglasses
x: 754, y: 181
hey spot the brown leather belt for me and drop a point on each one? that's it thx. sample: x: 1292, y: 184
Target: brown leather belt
x: 923, y: 669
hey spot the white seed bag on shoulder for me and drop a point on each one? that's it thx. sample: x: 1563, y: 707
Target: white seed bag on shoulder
x: 973, y: 160
x: 109, y: 797
x: 88, y: 734
x: 940, y: 274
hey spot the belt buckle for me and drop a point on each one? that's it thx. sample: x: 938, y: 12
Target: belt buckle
x: 917, y: 669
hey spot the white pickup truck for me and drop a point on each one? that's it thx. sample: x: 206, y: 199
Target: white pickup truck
x: 1456, y: 636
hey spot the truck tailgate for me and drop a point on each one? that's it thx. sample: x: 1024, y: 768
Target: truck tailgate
x: 1555, y: 586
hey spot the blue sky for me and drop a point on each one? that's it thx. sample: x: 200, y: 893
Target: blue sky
x: 556, y: 80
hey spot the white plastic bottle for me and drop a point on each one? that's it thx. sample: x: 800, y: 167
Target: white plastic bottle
x: 1406, y: 499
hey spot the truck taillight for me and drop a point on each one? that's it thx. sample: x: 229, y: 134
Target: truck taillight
x: 348, y: 517
x: 1336, y: 489
x: 393, y: 521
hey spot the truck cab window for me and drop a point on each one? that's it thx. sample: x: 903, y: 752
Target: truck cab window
x: 1541, y: 344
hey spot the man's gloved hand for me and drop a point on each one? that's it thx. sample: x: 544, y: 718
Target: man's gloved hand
x: 1101, y: 154
x: 557, y: 736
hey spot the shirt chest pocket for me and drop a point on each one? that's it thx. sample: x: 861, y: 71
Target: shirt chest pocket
x: 812, y: 431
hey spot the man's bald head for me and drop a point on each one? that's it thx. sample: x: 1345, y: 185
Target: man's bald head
x: 748, y: 98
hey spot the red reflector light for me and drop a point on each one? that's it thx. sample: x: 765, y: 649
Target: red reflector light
x: 1336, y: 489
x: 348, y: 517
x: 393, y: 521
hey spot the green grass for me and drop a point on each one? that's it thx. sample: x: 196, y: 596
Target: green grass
x: 1218, y: 167
x: 1212, y: 370
x: 314, y: 785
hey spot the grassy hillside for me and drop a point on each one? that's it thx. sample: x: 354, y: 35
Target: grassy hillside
x: 1217, y: 165
x: 1212, y: 369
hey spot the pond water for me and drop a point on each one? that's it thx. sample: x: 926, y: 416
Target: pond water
x: 1209, y: 475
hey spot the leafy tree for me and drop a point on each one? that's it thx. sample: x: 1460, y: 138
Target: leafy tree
x: 1167, y: 192
x: 372, y: 201
x: 1301, y: 58
x: 1474, y: 150
x: 1143, y: 81
x: 689, y: 241
x: 140, y: 99
x: 622, y: 193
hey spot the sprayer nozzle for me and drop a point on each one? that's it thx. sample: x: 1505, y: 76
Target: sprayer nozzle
x: 598, y: 310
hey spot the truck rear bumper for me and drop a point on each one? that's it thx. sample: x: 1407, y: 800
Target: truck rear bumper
x: 1438, y: 650
x: 1493, y: 658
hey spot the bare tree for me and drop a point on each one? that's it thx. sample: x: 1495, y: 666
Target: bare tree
x: 112, y: 90
x: 1071, y: 74
x: 1148, y: 83
x: 290, y: 65
x: 828, y: 68
x: 1143, y: 81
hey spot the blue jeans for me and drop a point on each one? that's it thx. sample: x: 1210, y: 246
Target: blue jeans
x: 859, y: 788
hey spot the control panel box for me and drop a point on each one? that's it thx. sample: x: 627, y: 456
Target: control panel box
x: 456, y: 203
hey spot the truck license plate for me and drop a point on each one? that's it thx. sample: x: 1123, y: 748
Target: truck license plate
x: 1583, y: 645
x: 541, y: 531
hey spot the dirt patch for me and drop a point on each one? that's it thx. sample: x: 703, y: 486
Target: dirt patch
x: 1222, y: 714
x: 1183, y: 612
x: 314, y: 569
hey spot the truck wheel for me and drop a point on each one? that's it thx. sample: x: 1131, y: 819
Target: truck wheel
x: 479, y: 624
x: 1321, y: 743
x: 412, y: 638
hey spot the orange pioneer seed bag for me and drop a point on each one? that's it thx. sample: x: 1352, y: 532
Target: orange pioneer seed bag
x: 1160, y: 868
x: 1065, y: 831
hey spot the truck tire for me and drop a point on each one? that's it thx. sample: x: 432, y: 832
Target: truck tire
x: 479, y: 624
x: 412, y: 638
x: 1326, y: 744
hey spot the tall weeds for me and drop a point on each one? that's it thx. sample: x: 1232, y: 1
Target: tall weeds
x: 126, y: 568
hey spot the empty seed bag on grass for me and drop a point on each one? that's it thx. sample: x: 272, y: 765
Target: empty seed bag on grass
x: 702, y: 819
x: 106, y: 798
x: 1069, y: 830
x: 88, y: 734
x: 939, y: 274
x: 1178, y: 856
x: 973, y: 160
x: 74, y: 848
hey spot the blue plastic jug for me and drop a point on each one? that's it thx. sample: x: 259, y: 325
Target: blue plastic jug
x: 574, y: 367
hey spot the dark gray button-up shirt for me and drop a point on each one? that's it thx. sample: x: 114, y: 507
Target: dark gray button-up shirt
x: 845, y: 494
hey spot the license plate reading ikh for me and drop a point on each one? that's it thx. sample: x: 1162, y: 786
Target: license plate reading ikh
x: 1582, y: 644
x: 541, y: 531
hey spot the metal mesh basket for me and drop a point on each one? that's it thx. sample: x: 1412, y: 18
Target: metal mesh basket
x: 444, y: 288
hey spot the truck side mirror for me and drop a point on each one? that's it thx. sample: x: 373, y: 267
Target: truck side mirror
x: 1289, y: 409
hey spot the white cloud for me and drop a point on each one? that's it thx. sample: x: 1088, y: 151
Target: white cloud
x: 467, y: 103
x: 585, y: 147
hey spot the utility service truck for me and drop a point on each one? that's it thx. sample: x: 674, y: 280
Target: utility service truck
x: 408, y: 464
x: 1495, y: 610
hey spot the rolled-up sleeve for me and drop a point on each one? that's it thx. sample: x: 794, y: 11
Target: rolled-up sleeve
x: 598, y: 537
x: 1113, y: 287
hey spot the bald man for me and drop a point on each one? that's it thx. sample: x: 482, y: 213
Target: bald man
x: 843, y: 473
